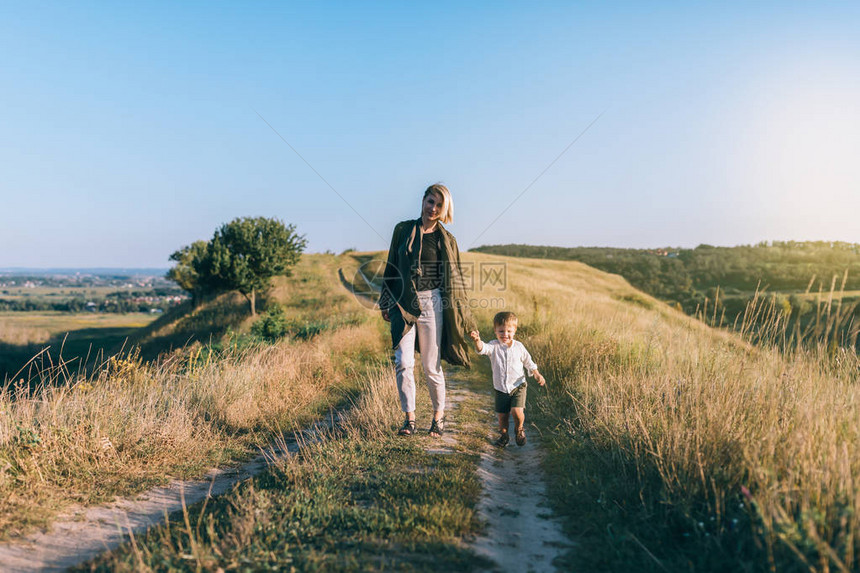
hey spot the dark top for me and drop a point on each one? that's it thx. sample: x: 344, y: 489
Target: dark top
x: 399, y: 299
x: 431, y: 261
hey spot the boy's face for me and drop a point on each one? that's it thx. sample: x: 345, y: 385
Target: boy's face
x: 505, y: 332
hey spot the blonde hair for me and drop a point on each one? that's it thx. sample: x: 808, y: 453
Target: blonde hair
x: 447, y: 210
x: 504, y: 318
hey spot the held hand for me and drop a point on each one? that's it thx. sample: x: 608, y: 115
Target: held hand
x: 385, y: 316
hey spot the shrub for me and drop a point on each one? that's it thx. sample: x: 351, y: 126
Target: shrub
x: 272, y: 325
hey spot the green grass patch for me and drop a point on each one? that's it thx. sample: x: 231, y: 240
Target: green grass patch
x: 275, y: 324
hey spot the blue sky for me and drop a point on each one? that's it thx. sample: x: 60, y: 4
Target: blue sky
x: 131, y: 129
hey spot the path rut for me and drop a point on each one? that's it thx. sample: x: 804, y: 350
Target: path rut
x: 521, y: 535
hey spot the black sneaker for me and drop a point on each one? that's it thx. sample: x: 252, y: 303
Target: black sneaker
x: 503, y: 440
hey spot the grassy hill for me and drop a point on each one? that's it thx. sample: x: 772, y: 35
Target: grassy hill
x: 669, y: 445
x: 807, y: 288
x: 785, y: 266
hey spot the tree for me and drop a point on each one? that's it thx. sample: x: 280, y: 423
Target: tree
x: 247, y: 252
x: 242, y: 255
x: 190, y: 261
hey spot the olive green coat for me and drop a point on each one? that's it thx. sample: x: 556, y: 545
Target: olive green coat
x: 399, y: 297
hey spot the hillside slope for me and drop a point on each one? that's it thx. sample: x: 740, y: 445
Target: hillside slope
x: 309, y: 294
x: 669, y: 445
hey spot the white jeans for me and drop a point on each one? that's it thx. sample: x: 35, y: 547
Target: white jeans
x: 429, y: 329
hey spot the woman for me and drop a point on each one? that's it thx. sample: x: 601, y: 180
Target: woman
x: 424, y: 299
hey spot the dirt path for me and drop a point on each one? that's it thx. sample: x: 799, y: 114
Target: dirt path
x: 521, y: 534
x: 84, y: 533
x: 81, y: 534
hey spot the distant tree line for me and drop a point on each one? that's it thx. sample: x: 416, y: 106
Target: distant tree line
x: 242, y: 255
x: 688, y: 276
x: 753, y: 288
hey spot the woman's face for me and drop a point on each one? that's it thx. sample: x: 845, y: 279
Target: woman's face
x: 431, y: 209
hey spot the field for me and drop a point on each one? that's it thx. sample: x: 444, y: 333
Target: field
x: 49, y: 292
x: 24, y: 334
x: 669, y: 445
x: 37, y: 327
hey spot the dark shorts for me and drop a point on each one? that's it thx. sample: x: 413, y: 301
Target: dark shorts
x: 516, y: 399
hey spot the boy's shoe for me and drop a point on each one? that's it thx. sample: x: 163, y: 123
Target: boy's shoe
x: 503, y: 440
x: 521, y: 437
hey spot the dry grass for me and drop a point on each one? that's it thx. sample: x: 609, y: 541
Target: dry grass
x: 701, y: 419
x: 132, y: 424
x: 355, y: 497
x: 737, y: 455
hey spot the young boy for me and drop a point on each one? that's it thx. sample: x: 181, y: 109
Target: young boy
x: 508, y: 357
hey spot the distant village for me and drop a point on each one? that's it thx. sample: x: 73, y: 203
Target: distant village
x: 34, y: 278
x: 77, y: 291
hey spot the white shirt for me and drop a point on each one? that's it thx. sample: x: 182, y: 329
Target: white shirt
x: 508, y: 364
